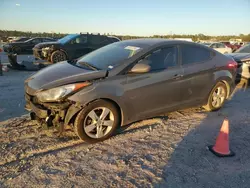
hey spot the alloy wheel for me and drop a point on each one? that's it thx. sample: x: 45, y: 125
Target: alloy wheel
x: 58, y: 57
x: 219, y: 95
x: 98, y: 122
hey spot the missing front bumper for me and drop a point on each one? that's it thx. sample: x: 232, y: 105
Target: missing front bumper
x: 52, y: 115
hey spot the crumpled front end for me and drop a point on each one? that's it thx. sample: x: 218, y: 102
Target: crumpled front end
x: 43, y: 54
x: 50, y: 115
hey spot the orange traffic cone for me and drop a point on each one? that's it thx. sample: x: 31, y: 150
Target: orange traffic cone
x: 221, y: 147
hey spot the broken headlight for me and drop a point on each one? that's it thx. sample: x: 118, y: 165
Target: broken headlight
x: 56, y: 94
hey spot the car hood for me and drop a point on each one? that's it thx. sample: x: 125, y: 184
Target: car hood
x: 47, y: 44
x: 62, y: 73
x: 240, y: 56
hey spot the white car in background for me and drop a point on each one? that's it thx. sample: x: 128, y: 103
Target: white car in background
x: 220, y: 47
x: 242, y: 57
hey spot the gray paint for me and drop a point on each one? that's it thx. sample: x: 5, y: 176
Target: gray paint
x: 146, y: 94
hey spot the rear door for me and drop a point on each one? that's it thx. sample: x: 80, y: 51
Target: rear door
x: 198, y: 72
x: 98, y: 41
x: 158, y: 90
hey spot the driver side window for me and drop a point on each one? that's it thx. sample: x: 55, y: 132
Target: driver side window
x: 162, y: 59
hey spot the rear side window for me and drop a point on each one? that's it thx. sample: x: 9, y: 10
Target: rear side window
x: 97, y: 40
x: 194, y: 54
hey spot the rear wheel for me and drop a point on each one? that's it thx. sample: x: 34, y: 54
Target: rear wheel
x: 97, y: 121
x: 58, y: 56
x: 217, y: 97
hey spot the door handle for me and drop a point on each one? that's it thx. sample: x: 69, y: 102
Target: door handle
x: 177, y: 76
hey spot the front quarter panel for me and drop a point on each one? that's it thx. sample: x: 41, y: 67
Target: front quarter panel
x: 109, y: 88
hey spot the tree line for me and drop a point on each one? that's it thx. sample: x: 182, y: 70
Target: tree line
x: 196, y: 37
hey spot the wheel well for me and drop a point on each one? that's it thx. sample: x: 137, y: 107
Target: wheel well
x: 72, y: 119
x: 228, y: 87
x: 64, y: 52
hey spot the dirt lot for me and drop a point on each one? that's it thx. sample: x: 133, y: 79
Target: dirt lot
x: 166, y: 151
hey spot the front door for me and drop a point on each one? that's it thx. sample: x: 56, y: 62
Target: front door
x: 158, y: 90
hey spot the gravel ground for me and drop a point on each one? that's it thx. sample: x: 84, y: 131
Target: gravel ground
x: 166, y: 151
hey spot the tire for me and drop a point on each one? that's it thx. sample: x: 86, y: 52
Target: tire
x: 210, y: 106
x: 17, y: 50
x: 58, y: 56
x: 83, y: 121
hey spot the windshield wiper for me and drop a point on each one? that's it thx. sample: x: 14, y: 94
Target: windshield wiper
x: 88, y: 65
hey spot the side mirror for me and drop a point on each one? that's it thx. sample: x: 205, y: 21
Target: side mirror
x: 141, y: 68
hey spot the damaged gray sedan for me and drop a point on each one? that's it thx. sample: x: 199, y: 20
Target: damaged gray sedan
x: 128, y: 81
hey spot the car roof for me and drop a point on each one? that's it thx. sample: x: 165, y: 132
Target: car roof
x: 150, y: 42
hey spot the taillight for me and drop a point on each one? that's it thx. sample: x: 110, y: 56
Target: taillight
x: 232, y: 64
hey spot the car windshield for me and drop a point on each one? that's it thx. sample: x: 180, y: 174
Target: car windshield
x: 109, y: 56
x: 244, y: 49
x: 67, y: 38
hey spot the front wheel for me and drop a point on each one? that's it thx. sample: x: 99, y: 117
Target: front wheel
x: 97, y: 121
x: 58, y: 56
x: 216, y: 97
